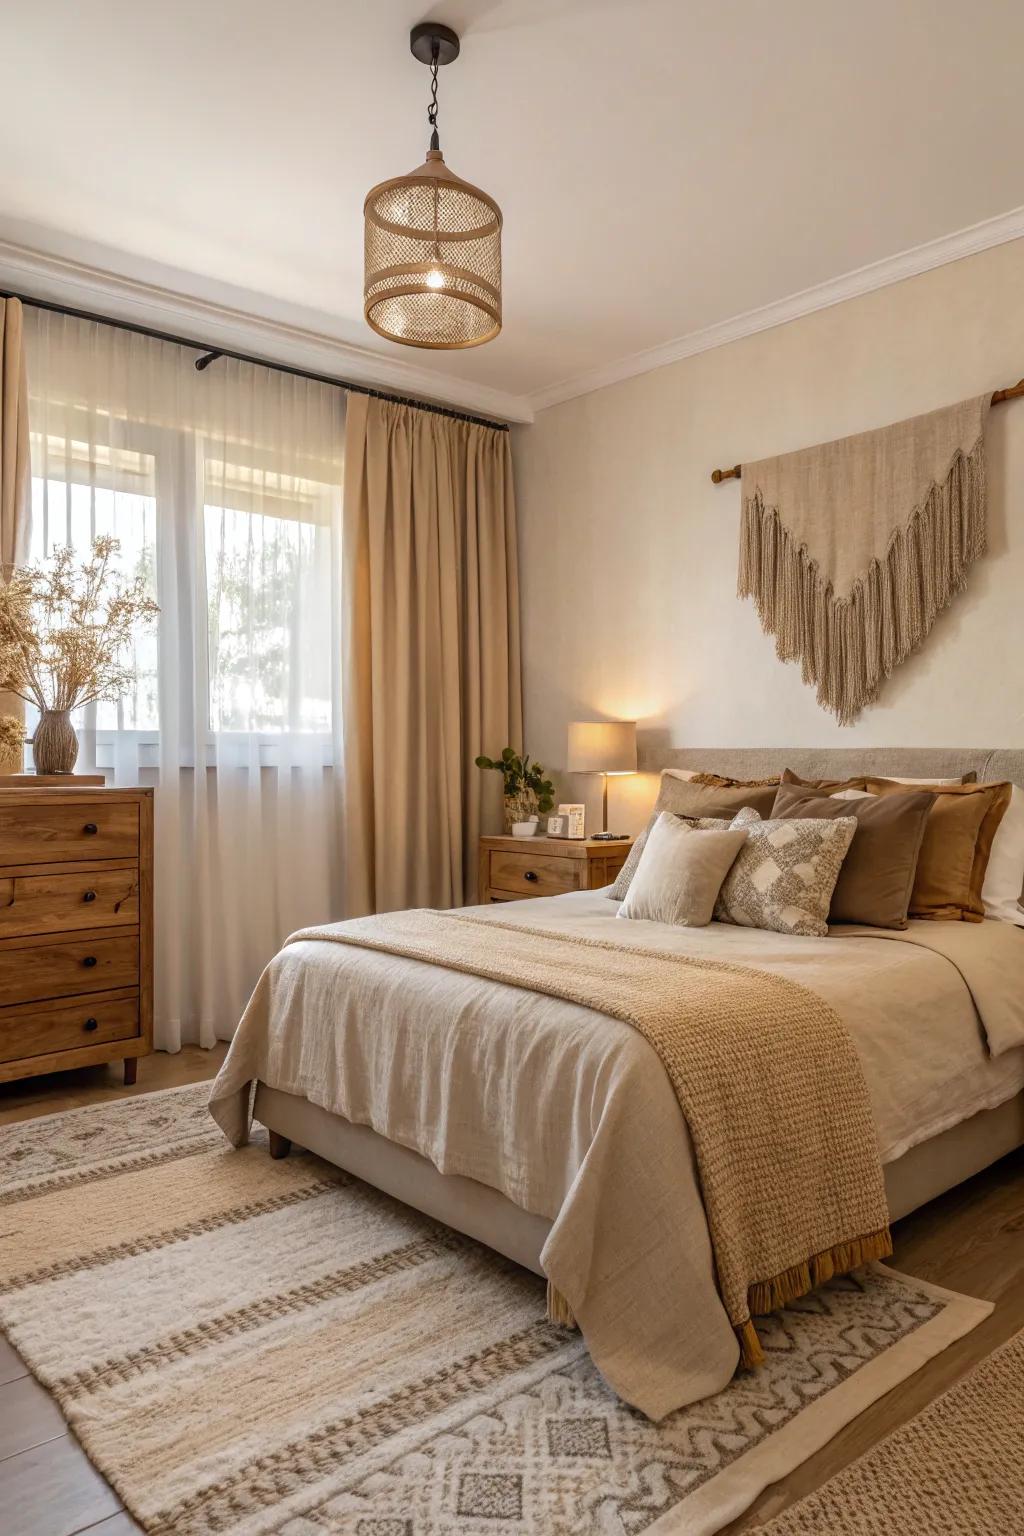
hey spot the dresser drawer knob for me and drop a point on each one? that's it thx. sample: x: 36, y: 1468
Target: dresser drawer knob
x: 89, y: 896
x: 89, y: 961
x: 90, y: 828
x: 91, y: 1024
x: 530, y: 875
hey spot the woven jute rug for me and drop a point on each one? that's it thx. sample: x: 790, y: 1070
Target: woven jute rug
x: 245, y: 1346
x: 955, y: 1470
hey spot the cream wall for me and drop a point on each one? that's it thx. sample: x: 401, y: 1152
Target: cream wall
x: 628, y: 552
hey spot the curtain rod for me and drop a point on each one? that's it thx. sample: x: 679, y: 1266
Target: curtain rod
x: 1014, y: 392
x: 211, y: 354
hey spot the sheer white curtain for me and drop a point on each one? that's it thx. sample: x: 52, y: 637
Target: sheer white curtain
x: 224, y: 488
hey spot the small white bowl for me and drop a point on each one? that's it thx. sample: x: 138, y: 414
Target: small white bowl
x: 523, y: 828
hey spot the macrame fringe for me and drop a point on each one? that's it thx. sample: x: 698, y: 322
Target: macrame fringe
x: 848, y: 646
x: 769, y: 1295
x: 559, y: 1310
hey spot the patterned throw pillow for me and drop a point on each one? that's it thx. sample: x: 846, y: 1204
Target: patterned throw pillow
x: 785, y: 874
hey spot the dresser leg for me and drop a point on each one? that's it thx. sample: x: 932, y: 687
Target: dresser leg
x: 131, y: 1070
x: 280, y: 1146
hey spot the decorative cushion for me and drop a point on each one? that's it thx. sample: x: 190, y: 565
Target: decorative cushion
x: 955, y: 852
x: 1004, y: 877
x: 720, y: 781
x: 827, y: 786
x: 785, y: 873
x: 685, y: 797
x: 877, y: 875
x: 680, y: 872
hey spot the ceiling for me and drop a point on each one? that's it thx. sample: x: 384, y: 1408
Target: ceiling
x: 662, y: 165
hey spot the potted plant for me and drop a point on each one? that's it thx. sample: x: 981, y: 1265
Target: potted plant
x: 527, y: 793
x: 64, y: 629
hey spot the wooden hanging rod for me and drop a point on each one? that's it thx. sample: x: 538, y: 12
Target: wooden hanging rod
x: 1015, y: 392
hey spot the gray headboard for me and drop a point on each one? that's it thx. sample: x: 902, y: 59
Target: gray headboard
x: 992, y: 764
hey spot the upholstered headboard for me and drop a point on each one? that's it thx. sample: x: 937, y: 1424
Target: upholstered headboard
x: 991, y: 764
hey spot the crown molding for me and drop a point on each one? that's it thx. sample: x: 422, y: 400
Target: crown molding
x: 80, y: 286
x: 878, y: 274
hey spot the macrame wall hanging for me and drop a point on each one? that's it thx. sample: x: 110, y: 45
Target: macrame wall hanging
x: 852, y: 548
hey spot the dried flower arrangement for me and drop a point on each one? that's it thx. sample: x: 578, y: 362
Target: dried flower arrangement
x: 64, y: 628
x: 12, y: 743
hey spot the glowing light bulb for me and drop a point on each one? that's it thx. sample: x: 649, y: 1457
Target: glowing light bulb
x: 434, y: 278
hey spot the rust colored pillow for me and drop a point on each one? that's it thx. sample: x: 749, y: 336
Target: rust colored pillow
x: 877, y: 875
x: 955, y: 850
x: 719, y: 781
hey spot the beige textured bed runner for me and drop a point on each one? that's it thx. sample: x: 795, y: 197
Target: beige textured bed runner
x: 765, y: 1072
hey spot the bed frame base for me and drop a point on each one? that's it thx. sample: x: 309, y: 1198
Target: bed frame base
x: 921, y: 1174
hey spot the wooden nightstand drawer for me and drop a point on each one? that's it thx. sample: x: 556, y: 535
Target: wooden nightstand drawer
x: 533, y: 874
x: 94, y: 829
x: 514, y: 868
x: 46, y: 1027
x: 54, y: 902
x: 47, y: 969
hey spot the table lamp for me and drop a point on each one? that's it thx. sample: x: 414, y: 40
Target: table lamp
x: 606, y: 747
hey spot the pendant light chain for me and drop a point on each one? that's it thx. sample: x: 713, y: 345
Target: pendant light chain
x: 435, y: 142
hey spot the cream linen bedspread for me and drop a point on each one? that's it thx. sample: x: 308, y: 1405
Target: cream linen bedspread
x: 571, y: 1115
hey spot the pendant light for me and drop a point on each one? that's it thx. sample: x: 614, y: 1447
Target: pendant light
x: 432, y: 241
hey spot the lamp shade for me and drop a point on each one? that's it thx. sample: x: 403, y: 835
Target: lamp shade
x: 602, y: 746
x: 433, y: 259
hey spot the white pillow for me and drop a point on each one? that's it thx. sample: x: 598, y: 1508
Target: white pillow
x: 785, y: 874
x: 680, y: 873
x: 1004, y: 877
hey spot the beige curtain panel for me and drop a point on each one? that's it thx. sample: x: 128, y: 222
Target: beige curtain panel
x: 431, y: 664
x: 15, y: 471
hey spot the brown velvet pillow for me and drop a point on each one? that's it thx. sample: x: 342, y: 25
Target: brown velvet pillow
x: 827, y: 786
x: 955, y: 851
x: 687, y: 797
x: 877, y: 875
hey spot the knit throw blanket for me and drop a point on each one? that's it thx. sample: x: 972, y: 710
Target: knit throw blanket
x: 766, y: 1076
x: 851, y: 549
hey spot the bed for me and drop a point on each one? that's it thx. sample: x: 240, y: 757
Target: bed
x: 550, y: 1132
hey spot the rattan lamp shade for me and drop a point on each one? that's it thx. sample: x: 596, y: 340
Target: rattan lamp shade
x: 433, y: 259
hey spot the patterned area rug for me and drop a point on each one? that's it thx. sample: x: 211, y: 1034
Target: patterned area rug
x: 247, y: 1346
x: 955, y: 1470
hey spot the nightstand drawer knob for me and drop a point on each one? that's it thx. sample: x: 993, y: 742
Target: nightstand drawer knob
x: 89, y: 896
x: 91, y: 1024
x: 90, y: 828
x: 89, y: 961
x: 530, y: 875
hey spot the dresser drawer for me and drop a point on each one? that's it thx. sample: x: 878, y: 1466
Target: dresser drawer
x: 90, y: 898
x: 65, y: 968
x: 46, y: 1027
x: 533, y: 874
x: 44, y: 834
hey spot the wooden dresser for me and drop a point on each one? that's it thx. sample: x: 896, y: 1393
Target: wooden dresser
x: 76, y: 928
x: 516, y: 868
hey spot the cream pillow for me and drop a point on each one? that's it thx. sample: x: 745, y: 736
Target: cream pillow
x: 680, y: 873
x: 785, y: 874
x: 1004, y: 877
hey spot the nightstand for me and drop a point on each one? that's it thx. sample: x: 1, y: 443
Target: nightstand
x: 516, y: 868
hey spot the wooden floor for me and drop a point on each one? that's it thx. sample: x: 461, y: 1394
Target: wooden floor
x: 970, y: 1240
